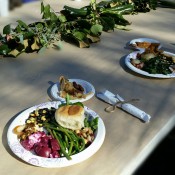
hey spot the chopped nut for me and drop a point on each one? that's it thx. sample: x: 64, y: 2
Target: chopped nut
x: 89, y: 138
x: 77, y: 131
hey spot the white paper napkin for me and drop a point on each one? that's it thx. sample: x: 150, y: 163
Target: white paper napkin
x: 111, y: 98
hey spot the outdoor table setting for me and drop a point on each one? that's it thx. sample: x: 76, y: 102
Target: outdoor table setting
x: 101, y: 107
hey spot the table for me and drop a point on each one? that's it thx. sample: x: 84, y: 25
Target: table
x: 26, y: 81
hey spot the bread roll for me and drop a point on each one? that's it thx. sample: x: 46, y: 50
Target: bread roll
x: 70, y: 116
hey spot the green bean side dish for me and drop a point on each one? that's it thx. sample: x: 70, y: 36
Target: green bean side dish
x: 80, y: 26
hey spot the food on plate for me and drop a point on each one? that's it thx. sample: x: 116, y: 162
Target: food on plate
x: 72, y: 88
x: 70, y: 116
x: 57, y: 132
x: 147, y: 56
x: 43, y: 145
x: 145, y: 45
x: 137, y: 63
x: 154, y: 61
x: 18, y: 130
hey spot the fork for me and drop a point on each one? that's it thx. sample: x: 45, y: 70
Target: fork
x: 114, y: 106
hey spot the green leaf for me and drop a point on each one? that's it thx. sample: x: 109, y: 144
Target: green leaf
x: 53, y: 17
x: 79, y: 35
x: 45, y: 38
x: 2, y: 39
x: 39, y: 26
x: 42, y: 50
x: 23, y: 24
x: 62, y: 18
x: 118, y: 18
x: 120, y: 27
x: 94, y: 123
x: 58, y: 45
x: 18, y: 29
x: 47, y: 11
x: 70, y: 103
x: 54, y: 29
x: 78, y: 104
x: 21, y: 39
x: 7, y: 29
x: 93, y: 1
x: 167, y: 3
x: 42, y: 7
x: 28, y: 35
x: 96, y: 29
x: 84, y: 24
x: 108, y: 23
x: 4, y: 49
x: 86, y: 123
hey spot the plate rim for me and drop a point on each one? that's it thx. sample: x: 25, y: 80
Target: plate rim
x: 76, y: 100
x: 53, y: 162
x: 142, y: 72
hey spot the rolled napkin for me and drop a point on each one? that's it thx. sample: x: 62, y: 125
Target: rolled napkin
x: 112, y: 99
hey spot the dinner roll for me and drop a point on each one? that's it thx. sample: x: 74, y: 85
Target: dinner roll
x: 70, y: 116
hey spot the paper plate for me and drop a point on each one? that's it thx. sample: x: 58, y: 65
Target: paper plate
x: 89, y: 88
x: 33, y: 159
x: 139, y: 71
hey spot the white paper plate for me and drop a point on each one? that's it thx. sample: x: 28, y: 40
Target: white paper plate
x: 133, y: 42
x: 30, y: 158
x: 86, y: 85
x: 129, y: 65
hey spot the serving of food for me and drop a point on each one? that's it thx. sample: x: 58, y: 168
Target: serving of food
x: 144, y: 43
x: 161, y: 65
x: 151, y: 61
x: 78, y: 90
x: 74, y: 89
x: 56, y: 134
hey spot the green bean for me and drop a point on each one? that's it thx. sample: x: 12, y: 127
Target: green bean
x: 64, y: 144
x: 70, y: 148
x: 61, y: 146
x: 70, y: 135
x: 75, y: 141
x: 86, y: 123
x: 82, y: 144
x: 66, y: 139
x: 70, y: 143
x: 50, y: 132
